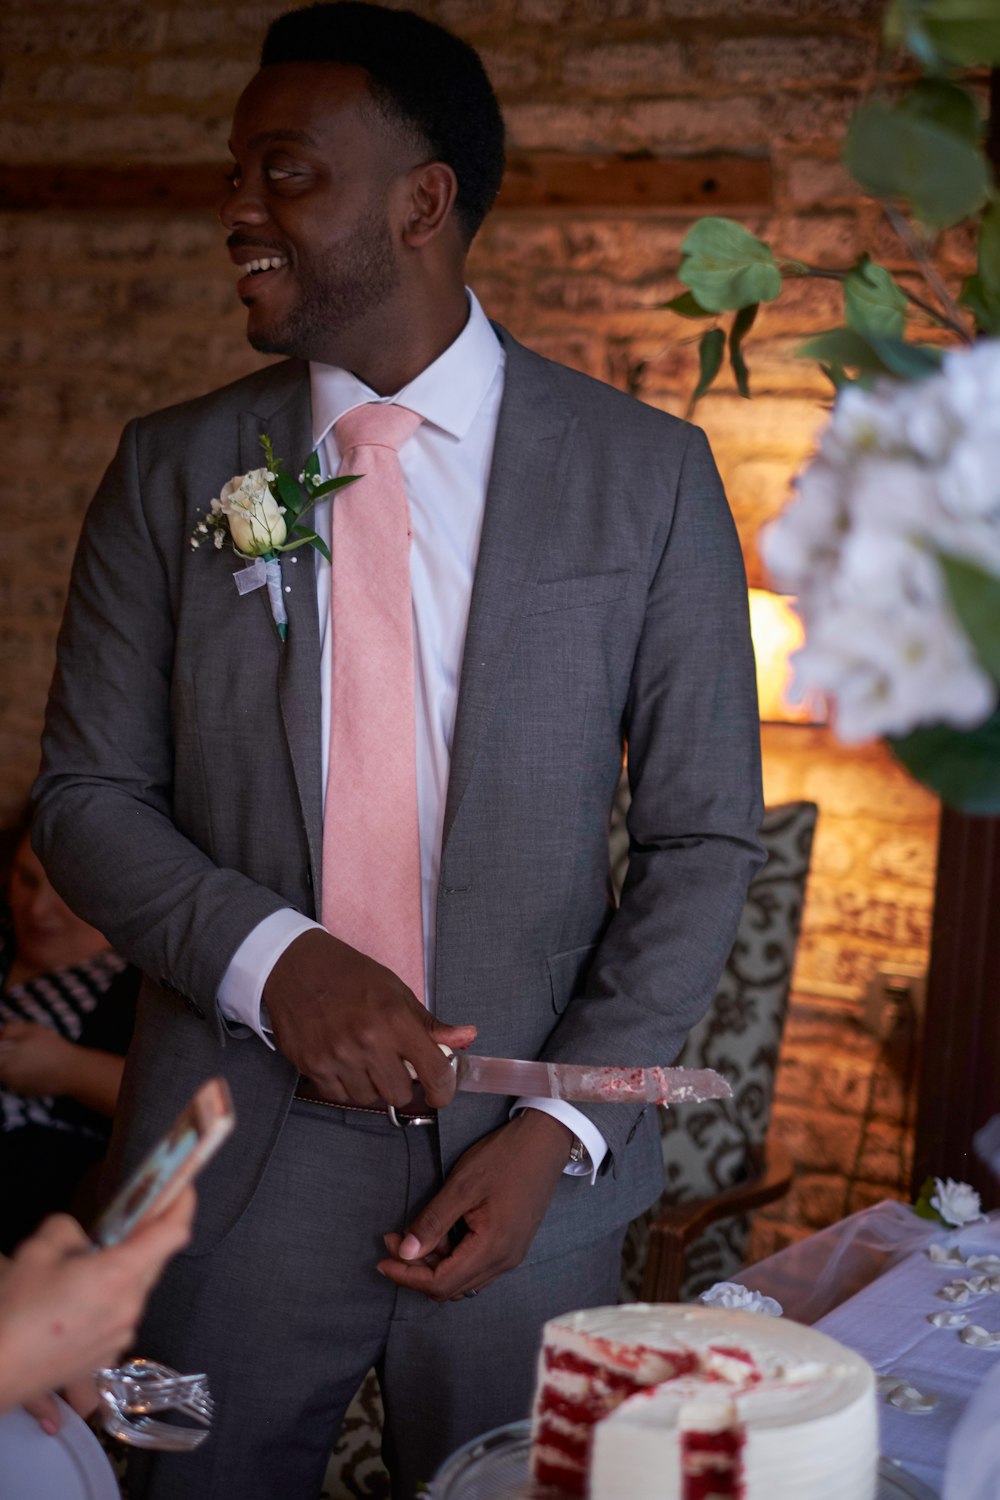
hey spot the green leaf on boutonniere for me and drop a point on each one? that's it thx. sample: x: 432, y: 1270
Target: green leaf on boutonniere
x: 333, y: 484
x: 314, y: 540
x: 289, y: 492
x: 727, y: 267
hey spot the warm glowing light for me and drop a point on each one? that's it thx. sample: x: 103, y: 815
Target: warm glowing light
x: 777, y: 632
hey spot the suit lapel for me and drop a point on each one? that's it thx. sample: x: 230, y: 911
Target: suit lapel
x: 522, y: 496
x: 288, y: 423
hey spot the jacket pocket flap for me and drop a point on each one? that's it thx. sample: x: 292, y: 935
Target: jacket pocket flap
x: 565, y: 973
x: 571, y: 593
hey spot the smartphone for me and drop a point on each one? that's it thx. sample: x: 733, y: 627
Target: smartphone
x: 192, y: 1140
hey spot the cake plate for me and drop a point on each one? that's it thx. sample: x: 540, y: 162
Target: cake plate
x: 495, y: 1467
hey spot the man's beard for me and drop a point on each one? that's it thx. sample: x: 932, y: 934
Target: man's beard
x: 341, y: 290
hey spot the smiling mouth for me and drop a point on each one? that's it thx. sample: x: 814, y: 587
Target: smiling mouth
x: 256, y: 273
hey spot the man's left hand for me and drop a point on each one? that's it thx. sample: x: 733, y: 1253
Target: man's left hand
x: 500, y: 1188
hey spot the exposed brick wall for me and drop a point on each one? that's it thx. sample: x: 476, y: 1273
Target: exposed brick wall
x: 107, y: 315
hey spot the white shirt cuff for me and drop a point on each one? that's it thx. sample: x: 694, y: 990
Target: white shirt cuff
x: 242, y: 986
x: 582, y: 1127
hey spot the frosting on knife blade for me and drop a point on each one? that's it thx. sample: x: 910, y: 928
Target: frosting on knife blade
x: 590, y: 1084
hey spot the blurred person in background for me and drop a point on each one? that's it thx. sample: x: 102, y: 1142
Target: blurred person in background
x: 67, y: 1006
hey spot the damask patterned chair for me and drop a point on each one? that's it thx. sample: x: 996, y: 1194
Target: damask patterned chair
x: 717, y: 1162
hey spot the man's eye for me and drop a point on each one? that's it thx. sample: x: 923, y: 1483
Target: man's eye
x: 278, y: 173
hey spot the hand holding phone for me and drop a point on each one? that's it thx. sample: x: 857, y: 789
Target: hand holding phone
x: 174, y: 1161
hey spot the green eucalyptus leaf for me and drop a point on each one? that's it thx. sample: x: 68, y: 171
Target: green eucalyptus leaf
x: 845, y: 347
x: 923, y: 1209
x: 311, y: 466
x: 687, y: 306
x: 939, y: 32
x: 836, y: 375
x: 903, y: 26
x: 318, y: 543
x: 873, y: 303
x: 983, y: 303
x: 975, y: 595
x: 961, y: 766
x: 945, y: 104
x: 989, y: 247
x: 872, y: 354
x: 711, y: 348
x: 727, y: 267
x: 742, y: 324
x: 892, y: 154
x: 966, y: 32
x: 906, y: 361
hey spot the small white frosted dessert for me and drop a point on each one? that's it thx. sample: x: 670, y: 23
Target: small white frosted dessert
x: 677, y: 1402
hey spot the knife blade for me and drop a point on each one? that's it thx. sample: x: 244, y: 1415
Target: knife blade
x: 591, y: 1084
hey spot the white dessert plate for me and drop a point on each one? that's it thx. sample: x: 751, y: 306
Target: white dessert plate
x: 495, y: 1467
x: 71, y: 1465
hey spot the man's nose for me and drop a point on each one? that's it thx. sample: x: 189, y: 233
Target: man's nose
x: 241, y: 206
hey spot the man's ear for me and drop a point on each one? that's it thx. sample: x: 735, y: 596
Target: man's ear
x: 433, y: 189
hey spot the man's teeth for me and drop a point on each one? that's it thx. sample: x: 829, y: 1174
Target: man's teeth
x: 269, y: 263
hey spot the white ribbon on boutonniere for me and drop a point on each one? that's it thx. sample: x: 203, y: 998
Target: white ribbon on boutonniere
x: 262, y: 513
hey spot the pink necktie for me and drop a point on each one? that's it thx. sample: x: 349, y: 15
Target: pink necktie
x: 371, y: 839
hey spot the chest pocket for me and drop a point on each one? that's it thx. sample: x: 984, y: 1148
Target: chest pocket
x: 574, y: 593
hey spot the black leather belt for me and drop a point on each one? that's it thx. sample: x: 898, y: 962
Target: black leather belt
x: 414, y: 1113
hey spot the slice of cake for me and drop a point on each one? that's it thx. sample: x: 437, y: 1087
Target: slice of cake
x: 665, y: 1402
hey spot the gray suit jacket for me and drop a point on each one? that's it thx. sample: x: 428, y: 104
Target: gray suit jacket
x: 179, y: 801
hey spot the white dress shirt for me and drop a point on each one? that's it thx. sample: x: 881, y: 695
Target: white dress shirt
x: 446, y: 466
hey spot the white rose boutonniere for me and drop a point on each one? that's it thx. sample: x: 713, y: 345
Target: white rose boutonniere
x: 262, y: 511
x: 256, y: 520
x: 953, y: 1203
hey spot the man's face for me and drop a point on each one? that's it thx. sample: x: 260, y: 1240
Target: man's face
x: 312, y: 193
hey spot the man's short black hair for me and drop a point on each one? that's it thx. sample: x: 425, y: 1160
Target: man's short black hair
x: 421, y: 74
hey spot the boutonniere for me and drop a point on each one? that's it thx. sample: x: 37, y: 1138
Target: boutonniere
x: 261, y: 513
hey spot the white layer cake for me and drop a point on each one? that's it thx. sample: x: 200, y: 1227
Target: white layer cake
x: 677, y: 1402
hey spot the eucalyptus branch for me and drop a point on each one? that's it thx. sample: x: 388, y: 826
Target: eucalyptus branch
x: 929, y: 271
x: 928, y: 307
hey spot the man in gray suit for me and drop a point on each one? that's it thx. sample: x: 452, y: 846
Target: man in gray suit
x: 576, y: 584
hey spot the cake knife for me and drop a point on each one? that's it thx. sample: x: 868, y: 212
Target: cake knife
x: 583, y: 1083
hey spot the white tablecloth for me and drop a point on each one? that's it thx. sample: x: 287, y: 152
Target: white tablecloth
x: 886, y: 1321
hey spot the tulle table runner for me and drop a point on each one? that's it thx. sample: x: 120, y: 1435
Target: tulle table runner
x: 869, y: 1282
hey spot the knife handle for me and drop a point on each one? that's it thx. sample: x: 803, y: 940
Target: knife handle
x: 452, y: 1059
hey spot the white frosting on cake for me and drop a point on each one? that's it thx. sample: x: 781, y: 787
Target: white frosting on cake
x: 628, y: 1396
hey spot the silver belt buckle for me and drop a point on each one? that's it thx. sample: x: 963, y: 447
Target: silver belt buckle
x: 401, y: 1124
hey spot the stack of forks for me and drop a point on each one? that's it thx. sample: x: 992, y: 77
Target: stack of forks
x: 132, y: 1392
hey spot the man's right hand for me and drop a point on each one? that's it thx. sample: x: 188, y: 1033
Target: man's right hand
x: 350, y: 1025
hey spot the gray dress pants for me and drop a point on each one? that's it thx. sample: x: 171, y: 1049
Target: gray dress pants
x: 288, y: 1313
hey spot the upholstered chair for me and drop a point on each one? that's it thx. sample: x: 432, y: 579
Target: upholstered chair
x: 716, y: 1160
